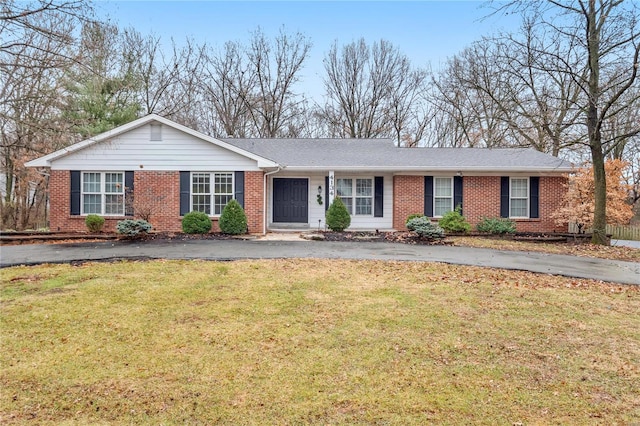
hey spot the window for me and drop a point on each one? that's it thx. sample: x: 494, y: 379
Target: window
x: 519, y: 197
x: 103, y: 193
x: 210, y: 192
x: 359, y: 201
x: 442, y: 196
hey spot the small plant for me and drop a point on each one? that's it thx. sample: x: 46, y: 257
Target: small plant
x: 133, y: 228
x: 453, y: 221
x: 413, y: 216
x: 196, y: 223
x: 496, y: 225
x: 337, y: 217
x: 233, y: 220
x: 424, y: 228
x: 94, y: 223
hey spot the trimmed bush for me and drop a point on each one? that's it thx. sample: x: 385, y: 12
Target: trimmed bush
x: 495, y: 225
x: 133, y: 228
x: 196, y: 223
x: 337, y: 217
x: 454, y: 222
x: 233, y: 220
x: 413, y: 216
x: 425, y: 229
x: 94, y: 223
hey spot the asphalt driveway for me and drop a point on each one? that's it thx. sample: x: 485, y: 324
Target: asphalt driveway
x: 571, y: 266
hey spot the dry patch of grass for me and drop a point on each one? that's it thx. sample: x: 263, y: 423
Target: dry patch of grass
x: 588, y: 250
x: 314, y: 342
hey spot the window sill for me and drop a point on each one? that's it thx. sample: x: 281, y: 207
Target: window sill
x: 524, y: 219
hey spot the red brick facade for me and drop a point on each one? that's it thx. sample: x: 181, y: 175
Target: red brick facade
x: 155, y: 192
x: 481, y: 198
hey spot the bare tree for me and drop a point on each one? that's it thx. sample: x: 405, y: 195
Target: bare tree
x: 606, y: 37
x: 372, y: 91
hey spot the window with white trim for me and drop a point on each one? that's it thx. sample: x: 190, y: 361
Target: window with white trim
x: 356, y: 194
x: 442, y: 196
x: 519, y: 197
x: 210, y: 192
x: 103, y: 193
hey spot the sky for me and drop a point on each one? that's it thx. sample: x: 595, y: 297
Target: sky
x: 428, y: 32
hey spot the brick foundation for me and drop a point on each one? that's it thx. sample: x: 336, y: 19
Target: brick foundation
x: 156, y: 193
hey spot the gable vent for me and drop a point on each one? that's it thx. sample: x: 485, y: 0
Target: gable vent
x: 156, y: 132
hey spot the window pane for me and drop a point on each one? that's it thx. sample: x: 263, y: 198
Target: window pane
x: 219, y: 201
x: 442, y: 187
x: 519, y: 188
x: 201, y: 183
x: 91, y: 182
x: 201, y: 203
x: 114, y: 204
x: 518, y: 208
x: 113, y: 182
x: 363, y: 206
x: 364, y: 187
x: 441, y: 206
x: 223, y: 183
x: 92, y: 203
x: 343, y: 188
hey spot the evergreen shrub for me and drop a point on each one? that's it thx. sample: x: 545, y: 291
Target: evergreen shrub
x: 233, y: 219
x: 196, y: 223
x: 495, y: 225
x: 453, y: 221
x: 133, y: 227
x: 94, y: 222
x: 425, y: 229
x: 337, y: 216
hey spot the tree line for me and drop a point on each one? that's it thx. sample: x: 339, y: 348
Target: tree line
x: 566, y: 83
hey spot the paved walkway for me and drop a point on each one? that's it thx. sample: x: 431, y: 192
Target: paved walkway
x: 572, y: 266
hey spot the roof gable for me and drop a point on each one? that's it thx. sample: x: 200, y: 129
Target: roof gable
x: 47, y: 160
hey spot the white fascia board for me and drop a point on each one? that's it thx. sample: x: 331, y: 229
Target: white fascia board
x: 46, y: 160
x: 412, y: 170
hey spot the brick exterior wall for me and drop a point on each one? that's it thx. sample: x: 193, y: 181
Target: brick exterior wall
x: 408, y: 198
x: 155, y: 192
x: 481, y: 198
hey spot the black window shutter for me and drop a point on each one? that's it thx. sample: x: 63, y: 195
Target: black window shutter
x: 378, y: 192
x: 185, y: 192
x: 504, y: 196
x: 75, y: 192
x: 128, y: 193
x: 534, y: 197
x: 326, y: 193
x: 457, y: 192
x: 428, y: 196
x: 238, y: 192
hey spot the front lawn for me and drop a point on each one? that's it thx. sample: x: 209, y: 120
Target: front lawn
x: 314, y: 342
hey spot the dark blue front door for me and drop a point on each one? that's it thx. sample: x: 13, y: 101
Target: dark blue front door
x: 290, y: 200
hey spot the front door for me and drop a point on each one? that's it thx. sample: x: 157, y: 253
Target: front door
x: 290, y: 200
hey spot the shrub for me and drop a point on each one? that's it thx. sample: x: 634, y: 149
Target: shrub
x: 496, y: 225
x: 133, y: 228
x: 454, y: 222
x: 94, y: 223
x: 413, y: 216
x: 337, y: 217
x: 196, y: 223
x: 425, y: 229
x: 233, y: 220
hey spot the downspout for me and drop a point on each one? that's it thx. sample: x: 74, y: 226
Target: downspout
x: 264, y: 200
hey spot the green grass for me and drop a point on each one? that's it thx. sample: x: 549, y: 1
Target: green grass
x: 314, y: 342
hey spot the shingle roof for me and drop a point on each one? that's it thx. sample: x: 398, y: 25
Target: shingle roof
x: 382, y: 154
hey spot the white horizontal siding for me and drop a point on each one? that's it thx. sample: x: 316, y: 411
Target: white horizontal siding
x: 317, y: 211
x: 134, y: 151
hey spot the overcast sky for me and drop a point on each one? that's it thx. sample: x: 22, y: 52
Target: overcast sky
x: 428, y: 32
